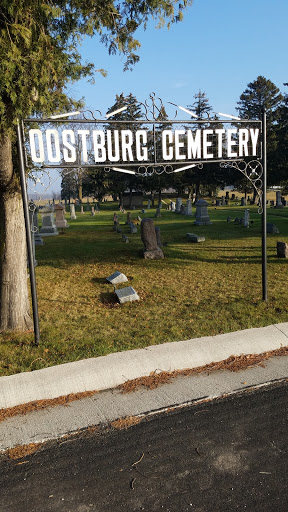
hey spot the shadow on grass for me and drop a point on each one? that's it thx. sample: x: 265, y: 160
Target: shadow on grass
x: 109, y: 299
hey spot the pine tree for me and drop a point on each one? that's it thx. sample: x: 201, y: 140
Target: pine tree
x: 38, y: 59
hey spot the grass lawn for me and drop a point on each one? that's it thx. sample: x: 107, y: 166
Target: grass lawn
x: 197, y: 290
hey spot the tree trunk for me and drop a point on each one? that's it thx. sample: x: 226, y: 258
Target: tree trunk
x: 14, y: 299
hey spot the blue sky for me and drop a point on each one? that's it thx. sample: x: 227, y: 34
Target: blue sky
x: 219, y: 48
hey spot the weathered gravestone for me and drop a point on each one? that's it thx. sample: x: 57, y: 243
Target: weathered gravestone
x: 60, y: 222
x: 148, y: 237
x: 182, y: 209
x: 72, y: 212
x: 282, y: 250
x: 243, y: 201
x: 272, y: 229
x: 157, y: 213
x: 178, y: 204
x: 133, y: 228
x: 149, y: 204
x: 202, y: 216
x: 172, y: 206
x: 81, y: 209
x: 189, y: 207
x: 195, y: 238
x: 92, y: 211
x: 117, y: 278
x: 127, y: 294
x: 48, y: 225
x: 247, y: 218
x: 278, y: 200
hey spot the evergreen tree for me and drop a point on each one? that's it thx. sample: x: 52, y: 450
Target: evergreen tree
x: 262, y: 93
x: 38, y: 58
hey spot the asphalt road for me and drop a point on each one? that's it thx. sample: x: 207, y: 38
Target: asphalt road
x: 226, y: 455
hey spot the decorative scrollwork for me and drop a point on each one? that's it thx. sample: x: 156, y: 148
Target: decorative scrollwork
x: 253, y: 171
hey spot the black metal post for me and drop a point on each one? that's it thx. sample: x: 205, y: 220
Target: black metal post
x: 264, y: 208
x: 28, y: 235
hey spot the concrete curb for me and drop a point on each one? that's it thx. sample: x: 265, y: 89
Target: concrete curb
x: 110, y: 371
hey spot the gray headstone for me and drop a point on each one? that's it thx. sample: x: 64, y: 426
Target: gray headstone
x: 243, y: 201
x: 278, y: 200
x: 189, y: 207
x: 117, y: 278
x: 157, y: 213
x: 195, y: 238
x: 202, y: 216
x: 158, y: 237
x: 127, y: 294
x: 133, y: 228
x: 178, y: 204
x: 272, y: 229
x: 247, y: 218
x: 282, y: 250
x: 48, y: 225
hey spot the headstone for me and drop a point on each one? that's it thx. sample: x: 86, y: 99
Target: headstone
x: 272, y: 229
x: 125, y: 239
x: 178, y: 204
x: 133, y: 228
x: 149, y: 204
x: 282, y: 250
x: 223, y: 201
x: 81, y: 209
x: 247, y: 218
x: 60, y: 222
x: 172, y: 206
x: 189, y: 207
x: 195, y: 238
x: 157, y: 213
x: 278, y: 200
x: 143, y: 211
x: 117, y: 278
x: 92, y: 211
x: 148, y: 237
x: 243, y: 201
x: 218, y: 202
x: 129, y: 219
x: 202, y: 216
x: 48, y: 225
x: 127, y: 294
x: 158, y: 237
x: 72, y: 212
x: 139, y: 218
x: 182, y: 209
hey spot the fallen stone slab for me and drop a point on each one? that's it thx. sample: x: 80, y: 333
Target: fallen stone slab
x: 127, y: 294
x: 195, y: 238
x: 117, y: 278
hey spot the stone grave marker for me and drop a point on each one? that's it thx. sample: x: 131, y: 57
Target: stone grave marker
x: 157, y: 213
x: 243, y: 201
x: 72, y: 212
x: 133, y: 228
x: 81, y: 209
x: 178, y: 204
x: 202, y: 216
x: 48, y: 225
x: 272, y: 229
x: 279, y: 200
x: 117, y: 278
x: 127, y: 294
x: 60, y: 222
x: 195, y: 238
x: 282, y: 250
x: 247, y: 218
x: 189, y: 207
x: 148, y: 237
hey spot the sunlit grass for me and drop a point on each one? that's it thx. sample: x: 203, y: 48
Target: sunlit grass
x: 197, y: 290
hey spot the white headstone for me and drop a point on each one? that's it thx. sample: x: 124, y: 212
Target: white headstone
x: 127, y: 294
